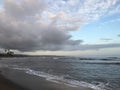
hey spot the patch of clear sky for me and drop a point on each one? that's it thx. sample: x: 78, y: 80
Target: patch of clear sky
x: 92, y: 33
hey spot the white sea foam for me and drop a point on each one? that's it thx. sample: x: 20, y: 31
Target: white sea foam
x: 61, y: 79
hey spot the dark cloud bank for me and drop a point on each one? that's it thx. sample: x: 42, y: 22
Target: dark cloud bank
x: 20, y: 30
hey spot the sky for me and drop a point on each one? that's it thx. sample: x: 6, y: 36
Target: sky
x: 60, y: 27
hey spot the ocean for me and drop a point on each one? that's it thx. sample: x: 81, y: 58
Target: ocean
x: 95, y: 73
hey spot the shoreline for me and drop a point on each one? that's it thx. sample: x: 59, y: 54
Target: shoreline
x: 17, y: 80
x: 14, y: 55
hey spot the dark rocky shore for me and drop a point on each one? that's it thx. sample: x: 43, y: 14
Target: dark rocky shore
x: 14, y: 55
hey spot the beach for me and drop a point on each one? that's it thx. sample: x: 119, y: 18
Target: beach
x: 23, y: 81
x: 6, y: 84
x: 59, y: 73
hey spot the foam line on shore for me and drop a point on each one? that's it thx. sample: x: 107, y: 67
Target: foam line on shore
x: 61, y: 79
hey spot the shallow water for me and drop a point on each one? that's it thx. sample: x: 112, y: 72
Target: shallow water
x: 98, y: 74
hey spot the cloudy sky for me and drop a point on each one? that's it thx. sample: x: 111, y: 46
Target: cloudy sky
x: 60, y: 27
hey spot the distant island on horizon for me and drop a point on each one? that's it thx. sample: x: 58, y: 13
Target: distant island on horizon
x: 13, y: 55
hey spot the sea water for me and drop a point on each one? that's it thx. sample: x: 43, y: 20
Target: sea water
x: 96, y: 73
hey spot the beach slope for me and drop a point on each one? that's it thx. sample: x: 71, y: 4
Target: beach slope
x: 17, y: 80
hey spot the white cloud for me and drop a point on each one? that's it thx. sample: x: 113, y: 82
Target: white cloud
x: 80, y: 12
x: 29, y: 25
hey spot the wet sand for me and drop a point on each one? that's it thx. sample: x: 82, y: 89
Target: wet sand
x: 6, y: 84
x: 17, y: 80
